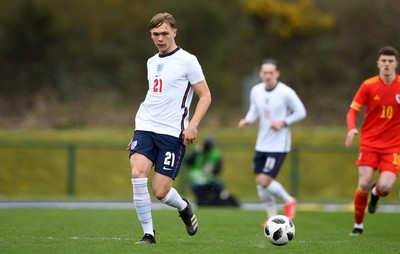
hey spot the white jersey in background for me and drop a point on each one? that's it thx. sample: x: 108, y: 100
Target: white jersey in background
x: 280, y: 103
x: 165, y: 109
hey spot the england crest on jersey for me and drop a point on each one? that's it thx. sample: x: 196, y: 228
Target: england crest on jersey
x: 159, y: 69
x: 398, y: 98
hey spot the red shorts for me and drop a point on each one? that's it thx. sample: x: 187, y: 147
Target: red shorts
x: 383, y: 161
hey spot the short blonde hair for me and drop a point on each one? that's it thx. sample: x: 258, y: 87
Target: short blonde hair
x: 161, y: 18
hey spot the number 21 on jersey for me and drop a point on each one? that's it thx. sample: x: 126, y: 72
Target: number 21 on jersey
x: 157, y: 86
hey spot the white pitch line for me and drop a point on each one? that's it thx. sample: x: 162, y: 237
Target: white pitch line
x: 87, y: 238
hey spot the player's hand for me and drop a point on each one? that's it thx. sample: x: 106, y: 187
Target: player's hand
x: 128, y: 147
x: 350, y: 136
x: 189, y: 135
x: 242, y: 123
x: 277, y: 125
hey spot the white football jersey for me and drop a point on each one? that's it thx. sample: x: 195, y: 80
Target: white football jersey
x: 165, y: 109
x: 280, y: 103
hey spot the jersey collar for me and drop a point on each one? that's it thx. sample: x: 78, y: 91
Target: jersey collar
x: 396, y: 79
x: 170, y: 53
x: 271, y: 89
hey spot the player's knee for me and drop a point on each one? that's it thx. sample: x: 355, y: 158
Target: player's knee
x: 160, y: 194
x: 264, y: 181
x: 384, y: 190
x: 139, y: 173
x: 136, y: 174
x: 364, y: 186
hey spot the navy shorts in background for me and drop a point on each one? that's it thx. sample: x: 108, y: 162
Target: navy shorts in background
x: 165, y: 151
x: 268, y: 163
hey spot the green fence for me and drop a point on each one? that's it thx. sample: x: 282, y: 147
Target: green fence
x: 65, y: 170
x: 47, y: 157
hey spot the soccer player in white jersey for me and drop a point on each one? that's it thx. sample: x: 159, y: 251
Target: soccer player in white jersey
x: 277, y: 106
x: 162, y: 126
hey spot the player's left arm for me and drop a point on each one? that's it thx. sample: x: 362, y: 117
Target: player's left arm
x: 298, y: 113
x: 203, y: 92
x: 298, y: 110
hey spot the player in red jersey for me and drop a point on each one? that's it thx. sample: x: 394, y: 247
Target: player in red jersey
x: 379, y: 135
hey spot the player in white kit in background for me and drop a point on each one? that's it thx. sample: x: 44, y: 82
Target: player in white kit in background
x: 276, y: 106
x: 163, y: 127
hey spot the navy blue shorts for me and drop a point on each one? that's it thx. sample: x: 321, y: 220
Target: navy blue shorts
x: 268, y: 163
x: 165, y: 151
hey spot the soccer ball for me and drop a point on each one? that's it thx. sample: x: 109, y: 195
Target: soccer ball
x: 279, y: 230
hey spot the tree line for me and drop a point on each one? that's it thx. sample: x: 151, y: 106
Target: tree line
x: 80, y: 63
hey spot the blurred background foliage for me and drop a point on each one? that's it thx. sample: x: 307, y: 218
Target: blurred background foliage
x: 83, y: 63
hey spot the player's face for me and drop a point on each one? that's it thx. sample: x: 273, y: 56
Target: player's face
x: 387, y: 65
x: 269, y: 75
x: 164, y: 38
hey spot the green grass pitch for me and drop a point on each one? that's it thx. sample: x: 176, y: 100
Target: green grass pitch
x: 221, y: 230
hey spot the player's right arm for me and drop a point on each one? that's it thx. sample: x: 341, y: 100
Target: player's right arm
x: 242, y: 123
x: 356, y: 106
x: 128, y: 147
x: 251, y: 115
x: 351, y: 118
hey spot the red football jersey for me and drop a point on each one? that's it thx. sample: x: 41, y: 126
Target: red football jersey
x: 381, y: 127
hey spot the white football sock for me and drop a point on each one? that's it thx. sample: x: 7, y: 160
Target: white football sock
x: 374, y: 191
x: 361, y: 226
x: 142, y: 204
x: 276, y: 189
x: 268, y: 200
x: 174, y: 199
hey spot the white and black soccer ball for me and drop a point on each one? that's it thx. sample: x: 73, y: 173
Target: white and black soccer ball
x: 279, y: 230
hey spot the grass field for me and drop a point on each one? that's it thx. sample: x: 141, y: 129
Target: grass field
x: 221, y: 230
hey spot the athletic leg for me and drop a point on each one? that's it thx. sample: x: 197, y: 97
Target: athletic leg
x: 266, y: 168
x: 381, y: 189
x: 268, y: 201
x: 165, y: 193
x: 276, y: 189
x: 141, y: 166
x: 365, y: 175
